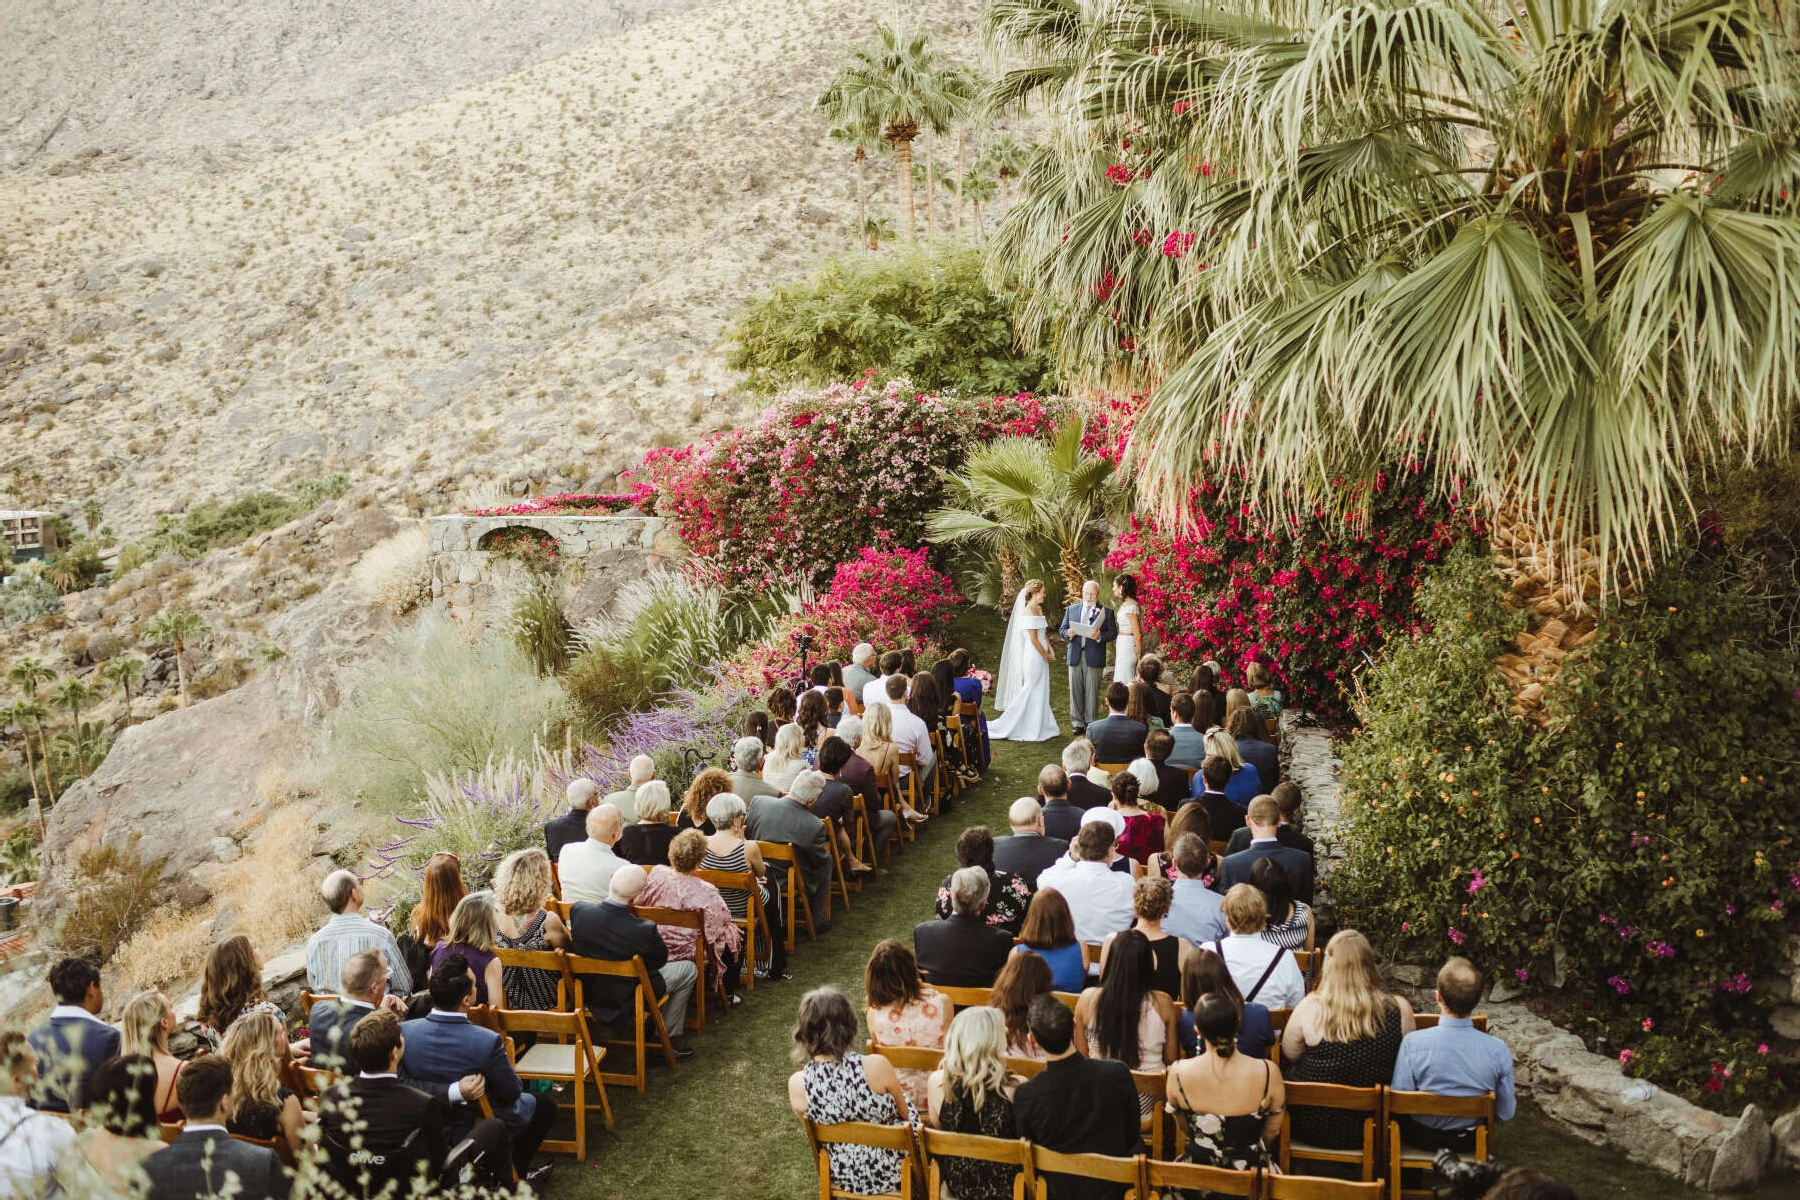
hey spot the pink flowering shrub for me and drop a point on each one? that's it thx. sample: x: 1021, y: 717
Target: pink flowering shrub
x: 571, y: 504
x: 850, y: 464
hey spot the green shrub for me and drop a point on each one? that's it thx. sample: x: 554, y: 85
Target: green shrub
x: 601, y: 683
x: 1639, y: 854
x: 927, y: 317
x: 19, y: 859
x: 212, y: 523
x: 111, y: 891
x: 539, y: 629
x: 28, y: 596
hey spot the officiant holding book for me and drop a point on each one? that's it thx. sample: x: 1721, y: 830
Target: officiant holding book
x: 1088, y: 626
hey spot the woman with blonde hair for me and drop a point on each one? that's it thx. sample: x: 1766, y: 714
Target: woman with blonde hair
x: 1348, y: 1032
x: 521, y: 922
x: 144, y: 1028
x: 646, y: 840
x: 785, y: 761
x: 474, y: 935
x: 707, y: 784
x: 1263, y: 698
x: 1246, y: 782
x: 257, y: 1049
x: 973, y: 1093
x: 878, y: 750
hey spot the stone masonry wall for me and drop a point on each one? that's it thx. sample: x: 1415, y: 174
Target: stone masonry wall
x: 600, y: 554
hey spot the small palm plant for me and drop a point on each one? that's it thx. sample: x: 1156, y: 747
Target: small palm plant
x: 178, y: 629
x: 124, y: 674
x: 75, y: 695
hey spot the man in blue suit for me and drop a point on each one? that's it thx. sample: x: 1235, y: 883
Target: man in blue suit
x: 1087, y: 655
x: 458, y: 1062
x: 1264, y: 819
x: 75, y: 1041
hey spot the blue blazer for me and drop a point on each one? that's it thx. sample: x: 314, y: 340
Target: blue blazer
x: 1297, y: 865
x: 69, y: 1051
x: 329, y: 1025
x: 1265, y: 758
x: 441, y: 1048
x: 1090, y: 652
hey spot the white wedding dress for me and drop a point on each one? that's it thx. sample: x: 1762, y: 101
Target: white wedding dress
x: 1022, y: 691
x: 1125, y: 646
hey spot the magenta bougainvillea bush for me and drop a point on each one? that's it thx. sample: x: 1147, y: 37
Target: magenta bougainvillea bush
x: 1308, y: 598
x: 850, y: 464
x: 578, y: 504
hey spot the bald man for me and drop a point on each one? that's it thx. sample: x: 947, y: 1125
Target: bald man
x: 610, y: 930
x: 1027, y: 852
x: 587, y: 867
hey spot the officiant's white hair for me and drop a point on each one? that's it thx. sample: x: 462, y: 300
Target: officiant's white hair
x: 1089, y: 583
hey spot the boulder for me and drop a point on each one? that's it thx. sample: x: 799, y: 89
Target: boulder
x: 1743, y: 1156
x: 1786, y: 1135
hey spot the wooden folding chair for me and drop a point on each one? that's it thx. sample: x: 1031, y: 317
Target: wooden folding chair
x: 908, y: 783
x: 1318, y: 1187
x: 935, y: 1144
x: 1112, y: 768
x: 1430, y: 1020
x: 549, y: 961
x: 309, y: 1082
x: 864, y: 842
x: 643, y: 1008
x: 1101, y: 1168
x: 970, y: 715
x: 1069, y: 999
x: 308, y: 999
x: 1160, y: 1175
x: 574, y: 1062
x: 795, y: 887
x: 1154, y: 1084
x: 888, y: 784
x: 1218, y: 847
x: 754, y: 917
x: 1025, y: 1068
x: 966, y: 997
x: 957, y: 731
x: 560, y: 908
x: 862, y: 1133
x: 1402, y: 1158
x: 937, y: 776
x: 1309, y: 962
x: 168, y: 1131
x: 687, y: 918
x: 555, y: 881
x: 1336, y: 1096
x: 278, y: 1144
x: 486, y: 1108
x: 840, y: 882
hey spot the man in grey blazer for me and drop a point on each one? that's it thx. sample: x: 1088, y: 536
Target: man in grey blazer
x: 205, y: 1156
x: 790, y: 819
x: 1087, y: 655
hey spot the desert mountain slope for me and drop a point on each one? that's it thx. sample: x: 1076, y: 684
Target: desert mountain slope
x: 523, y: 281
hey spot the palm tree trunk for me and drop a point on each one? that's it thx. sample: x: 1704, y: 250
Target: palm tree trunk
x: 959, y: 179
x: 80, y: 755
x: 903, y: 166
x: 127, y: 688
x: 862, y: 224
x: 1561, y: 601
x: 1009, y: 577
x: 1074, y: 571
x: 31, y: 774
x: 976, y: 206
x: 44, y: 747
x: 931, y: 188
x: 181, y: 674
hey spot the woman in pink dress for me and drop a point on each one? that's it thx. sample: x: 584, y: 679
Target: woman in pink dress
x: 903, y: 1011
x: 676, y: 886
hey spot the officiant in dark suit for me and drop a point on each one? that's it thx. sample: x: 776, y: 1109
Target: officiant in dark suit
x: 1087, y: 652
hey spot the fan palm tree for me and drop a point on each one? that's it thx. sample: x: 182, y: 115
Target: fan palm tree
x: 1019, y: 498
x: 178, y: 629
x: 978, y: 189
x: 91, y: 515
x: 76, y: 746
x: 862, y: 144
x: 27, y: 714
x: 75, y: 695
x: 124, y: 673
x: 896, y: 86
x: 1554, y: 259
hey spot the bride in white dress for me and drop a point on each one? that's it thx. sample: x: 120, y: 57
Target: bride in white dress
x: 1022, y: 691
x: 1125, y: 646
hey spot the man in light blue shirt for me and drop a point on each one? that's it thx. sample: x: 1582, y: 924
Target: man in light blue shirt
x: 1454, y: 1059
x: 1190, y: 743
x: 345, y: 933
x: 1196, y: 912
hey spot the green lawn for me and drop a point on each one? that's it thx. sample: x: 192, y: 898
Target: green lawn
x: 720, y: 1126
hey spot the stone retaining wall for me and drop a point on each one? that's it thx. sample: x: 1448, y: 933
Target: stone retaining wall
x: 600, y: 554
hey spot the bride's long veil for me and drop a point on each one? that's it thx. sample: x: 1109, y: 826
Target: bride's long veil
x: 1011, y: 680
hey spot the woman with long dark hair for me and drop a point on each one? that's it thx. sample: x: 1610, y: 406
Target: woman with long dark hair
x: 1126, y: 1018
x: 1131, y: 629
x: 1242, y: 1096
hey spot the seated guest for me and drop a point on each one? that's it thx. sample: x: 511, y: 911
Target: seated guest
x: 968, y: 691
x: 376, y: 1125
x: 521, y: 922
x: 814, y: 723
x: 1008, y: 895
x: 962, y: 950
x: 911, y: 735
x: 1191, y: 818
x: 1287, y: 798
x: 1150, y: 673
x: 785, y: 761
x: 1204, y: 973
x: 473, y: 937
x: 262, y: 1107
x: 926, y: 701
x: 346, y: 932
x: 586, y: 866
x: 1099, y: 897
x: 730, y: 851
x: 231, y: 986
x: 646, y: 841
x: 860, y: 672
x: 1209, y: 793
x: 676, y: 886
x: 1264, y: 699
x: 973, y: 1093
x: 1264, y: 818
x: 756, y: 725
x: 1143, y: 834
x: 875, y: 691
x: 1208, y: 707
x: 1150, y: 898
x: 1245, y: 784
x: 836, y: 1084
x: 1076, y: 1105
x: 34, y: 1145
x: 571, y: 826
x: 1171, y: 783
x: 746, y: 776
x: 610, y: 930
x: 1062, y: 816
x: 639, y: 771
x: 707, y: 784
x: 838, y: 802
x: 1263, y: 971
x: 121, y: 1132
x: 1230, y: 1102
x: 1235, y: 699
x: 857, y: 772
x: 206, y: 1160
x: 1023, y: 979
x: 1187, y: 742
x: 902, y: 1011
x: 1348, y: 1032
x: 144, y: 1029
x: 1290, y: 920
x: 1127, y: 1018
x: 1196, y: 912
x: 362, y: 989
x: 1049, y: 934
x: 789, y: 819
x: 430, y: 921
x: 74, y: 1041
x: 1454, y: 1059
x: 1208, y: 683
x: 1028, y: 851
x: 1246, y: 729
x: 1140, y: 707
x: 457, y: 1062
x: 780, y: 703
x: 1083, y: 792
x: 1116, y: 737
x: 834, y: 706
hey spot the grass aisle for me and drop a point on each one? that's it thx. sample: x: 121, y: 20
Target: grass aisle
x: 719, y: 1127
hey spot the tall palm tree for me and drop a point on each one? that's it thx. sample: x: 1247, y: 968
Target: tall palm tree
x: 29, y: 674
x: 75, y: 695
x: 124, y: 673
x: 1554, y: 259
x: 76, y: 746
x: 26, y: 714
x: 91, y: 515
x: 896, y: 84
x: 977, y: 189
x: 1019, y: 498
x: 862, y: 144
x: 179, y: 628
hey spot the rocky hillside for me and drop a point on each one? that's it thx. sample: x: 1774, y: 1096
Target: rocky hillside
x: 521, y: 283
